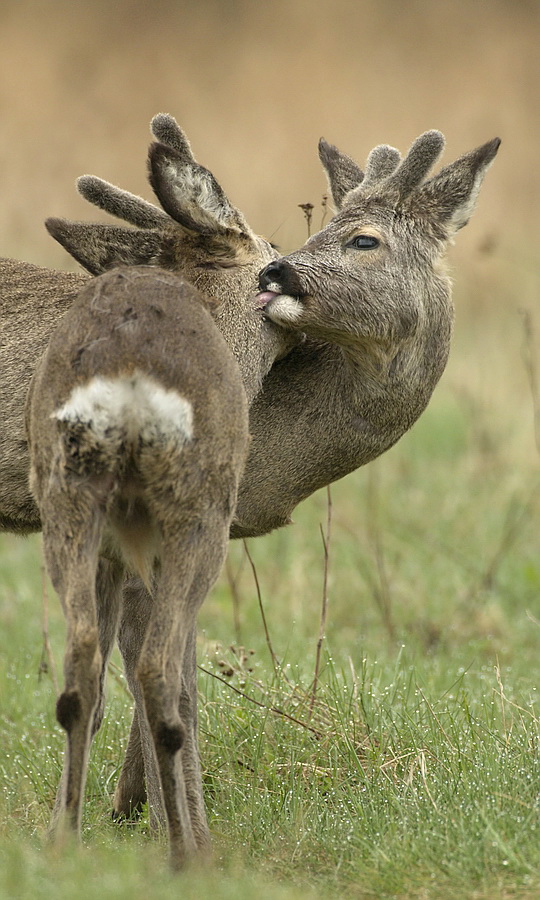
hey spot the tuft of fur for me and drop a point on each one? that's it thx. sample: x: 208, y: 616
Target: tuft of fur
x: 133, y: 405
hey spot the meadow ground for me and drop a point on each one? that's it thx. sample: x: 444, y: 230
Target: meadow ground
x: 416, y: 773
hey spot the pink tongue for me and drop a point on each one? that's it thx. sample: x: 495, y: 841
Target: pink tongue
x: 264, y: 297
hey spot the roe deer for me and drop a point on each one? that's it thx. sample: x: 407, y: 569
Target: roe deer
x: 371, y: 293
x: 205, y: 239
x: 137, y: 428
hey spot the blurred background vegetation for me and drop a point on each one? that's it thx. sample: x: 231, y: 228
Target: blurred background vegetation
x: 255, y: 85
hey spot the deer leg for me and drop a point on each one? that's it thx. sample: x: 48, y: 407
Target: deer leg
x: 109, y: 605
x: 108, y: 595
x: 190, y: 752
x: 158, y: 672
x: 131, y: 794
x: 169, y: 640
x: 72, y: 560
x: 139, y: 762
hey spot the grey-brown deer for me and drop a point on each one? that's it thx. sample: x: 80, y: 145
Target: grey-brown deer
x: 371, y: 293
x: 205, y: 239
x: 211, y: 245
x: 138, y: 430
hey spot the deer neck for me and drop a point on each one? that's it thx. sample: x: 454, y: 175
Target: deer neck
x: 389, y: 383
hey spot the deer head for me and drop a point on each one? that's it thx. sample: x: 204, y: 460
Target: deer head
x: 198, y: 234
x: 372, y: 281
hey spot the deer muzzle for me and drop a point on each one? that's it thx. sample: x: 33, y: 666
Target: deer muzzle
x: 279, y: 277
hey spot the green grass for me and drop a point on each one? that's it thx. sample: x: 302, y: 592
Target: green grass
x: 417, y: 774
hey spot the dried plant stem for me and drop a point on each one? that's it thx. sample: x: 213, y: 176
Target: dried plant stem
x: 307, y: 209
x: 232, y: 580
x: 531, y: 369
x: 275, y: 661
x: 274, y: 709
x: 502, y: 699
x: 515, y: 518
x: 324, y: 606
x: 324, y: 207
x: 47, y: 663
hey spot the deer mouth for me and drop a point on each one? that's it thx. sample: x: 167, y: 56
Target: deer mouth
x: 264, y: 297
x: 282, y: 309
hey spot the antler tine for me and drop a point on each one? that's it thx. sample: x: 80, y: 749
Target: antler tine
x: 121, y: 203
x: 381, y: 162
x: 424, y: 152
x: 167, y: 131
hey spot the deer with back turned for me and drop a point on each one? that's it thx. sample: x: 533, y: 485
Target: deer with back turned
x: 211, y: 245
x: 138, y: 431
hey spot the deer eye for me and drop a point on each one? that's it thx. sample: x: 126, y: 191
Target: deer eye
x: 364, y: 242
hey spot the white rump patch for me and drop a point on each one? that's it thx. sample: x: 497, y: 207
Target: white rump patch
x: 284, y: 309
x: 135, y: 402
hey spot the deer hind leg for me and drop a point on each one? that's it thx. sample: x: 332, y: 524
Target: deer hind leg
x: 140, y: 765
x: 71, y: 539
x: 140, y: 761
x: 109, y: 605
x: 167, y: 658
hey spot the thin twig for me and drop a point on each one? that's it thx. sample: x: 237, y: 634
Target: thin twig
x: 275, y: 661
x: 324, y: 606
x: 514, y: 520
x: 273, y: 709
x: 47, y: 663
x: 502, y: 700
x: 232, y: 581
x: 324, y: 207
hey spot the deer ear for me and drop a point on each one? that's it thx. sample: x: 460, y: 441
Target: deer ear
x: 101, y: 247
x: 450, y: 196
x: 190, y: 194
x: 342, y: 172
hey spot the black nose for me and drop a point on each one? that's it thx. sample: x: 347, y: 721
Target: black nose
x: 272, y: 272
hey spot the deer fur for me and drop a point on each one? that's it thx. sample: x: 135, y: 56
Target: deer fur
x: 138, y: 431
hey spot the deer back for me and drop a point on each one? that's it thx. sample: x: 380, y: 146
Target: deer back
x: 138, y: 388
